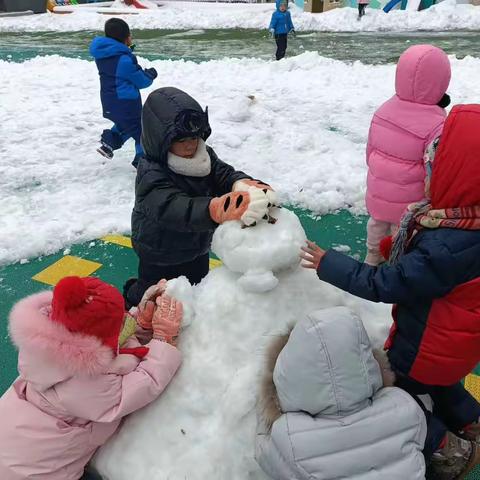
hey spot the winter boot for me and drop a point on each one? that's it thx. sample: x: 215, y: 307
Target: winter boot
x: 126, y: 288
x: 471, y: 432
x: 105, y: 150
x: 455, y: 461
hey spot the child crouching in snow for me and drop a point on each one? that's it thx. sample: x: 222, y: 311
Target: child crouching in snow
x: 183, y: 191
x: 434, y: 281
x: 324, y: 414
x: 75, y: 385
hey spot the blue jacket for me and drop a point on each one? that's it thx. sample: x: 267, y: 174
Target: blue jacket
x: 121, y: 79
x: 281, y: 21
x: 436, y: 288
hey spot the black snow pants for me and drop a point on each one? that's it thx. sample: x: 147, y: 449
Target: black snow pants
x: 281, y: 41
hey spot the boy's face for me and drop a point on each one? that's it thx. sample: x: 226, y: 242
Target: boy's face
x: 129, y: 41
x: 186, y: 147
x: 283, y: 7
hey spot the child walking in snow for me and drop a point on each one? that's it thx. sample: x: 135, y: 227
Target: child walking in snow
x: 280, y: 26
x: 75, y: 385
x: 323, y: 398
x: 121, y: 79
x: 400, y: 132
x: 434, y: 281
x: 183, y: 192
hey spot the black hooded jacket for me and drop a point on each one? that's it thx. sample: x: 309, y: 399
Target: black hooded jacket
x: 171, y: 223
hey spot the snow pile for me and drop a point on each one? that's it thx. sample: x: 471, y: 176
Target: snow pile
x: 261, y: 255
x: 183, y: 15
x: 203, y: 426
x: 299, y: 124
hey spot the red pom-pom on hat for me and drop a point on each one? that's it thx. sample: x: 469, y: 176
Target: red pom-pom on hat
x: 386, y: 246
x: 70, y: 292
x: 89, y: 306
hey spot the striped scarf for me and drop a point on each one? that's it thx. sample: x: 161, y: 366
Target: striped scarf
x: 421, y: 215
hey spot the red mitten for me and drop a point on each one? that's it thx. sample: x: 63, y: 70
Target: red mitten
x: 386, y: 247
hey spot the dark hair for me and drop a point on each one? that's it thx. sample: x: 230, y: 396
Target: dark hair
x: 117, y: 29
x: 444, y: 101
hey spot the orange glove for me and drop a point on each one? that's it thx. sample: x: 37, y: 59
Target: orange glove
x: 167, y: 319
x: 249, y: 207
x: 146, y: 306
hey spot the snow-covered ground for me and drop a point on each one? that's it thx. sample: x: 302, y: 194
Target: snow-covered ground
x: 304, y: 131
x: 203, y: 426
x: 183, y: 15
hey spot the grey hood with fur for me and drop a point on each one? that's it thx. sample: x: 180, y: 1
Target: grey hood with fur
x: 324, y: 414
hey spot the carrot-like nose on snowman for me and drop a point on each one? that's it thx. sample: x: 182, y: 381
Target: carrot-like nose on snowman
x: 258, y: 253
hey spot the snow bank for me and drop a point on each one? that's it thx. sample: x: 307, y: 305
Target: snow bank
x: 203, y: 426
x: 183, y: 15
x: 299, y: 124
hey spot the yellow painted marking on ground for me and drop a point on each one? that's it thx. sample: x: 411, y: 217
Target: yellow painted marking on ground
x: 214, y: 263
x: 67, y: 265
x: 472, y: 384
x: 118, y: 240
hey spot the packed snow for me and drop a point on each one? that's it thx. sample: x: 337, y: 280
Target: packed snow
x: 194, y: 15
x: 203, y: 426
x: 300, y: 124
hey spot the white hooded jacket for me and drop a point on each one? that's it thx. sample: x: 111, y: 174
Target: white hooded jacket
x: 335, y: 421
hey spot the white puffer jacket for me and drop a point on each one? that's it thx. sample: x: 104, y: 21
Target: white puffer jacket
x: 338, y: 421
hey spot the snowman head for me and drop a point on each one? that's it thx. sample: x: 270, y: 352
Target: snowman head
x: 258, y: 252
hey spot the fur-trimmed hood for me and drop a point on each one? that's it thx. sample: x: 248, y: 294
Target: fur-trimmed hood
x: 48, y: 352
x: 323, y: 366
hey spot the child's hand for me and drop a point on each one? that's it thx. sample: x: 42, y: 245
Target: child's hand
x: 312, y: 254
x: 146, y: 306
x: 243, y: 185
x: 167, y: 319
x: 248, y: 206
x: 151, y: 72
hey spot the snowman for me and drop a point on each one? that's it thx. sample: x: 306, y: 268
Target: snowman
x: 203, y: 426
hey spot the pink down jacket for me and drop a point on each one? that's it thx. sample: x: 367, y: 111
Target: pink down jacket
x: 71, y: 394
x: 401, y: 130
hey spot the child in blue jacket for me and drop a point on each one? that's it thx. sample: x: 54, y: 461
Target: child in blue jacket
x: 121, y: 79
x: 280, y: 26
x: 433, y: 279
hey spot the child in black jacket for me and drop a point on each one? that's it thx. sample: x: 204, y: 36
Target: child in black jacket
x: 183, y: 192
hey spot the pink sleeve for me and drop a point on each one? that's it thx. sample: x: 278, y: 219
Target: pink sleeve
x: 107, y: 398
x: 369, y: 144
x: 434, y: 134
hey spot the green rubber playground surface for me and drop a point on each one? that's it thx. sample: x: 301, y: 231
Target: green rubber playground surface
x: 114, y: 263
x: 113, y: 260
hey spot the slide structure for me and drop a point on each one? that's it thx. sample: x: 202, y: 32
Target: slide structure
x: 410, y: 5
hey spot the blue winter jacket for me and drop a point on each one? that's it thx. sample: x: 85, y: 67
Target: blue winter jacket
x: 121, y: 79
x: 281, y: 21
x: 436, y: 289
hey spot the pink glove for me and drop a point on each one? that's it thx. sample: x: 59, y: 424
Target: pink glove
x: 146, y: 307
x: 167, y: 319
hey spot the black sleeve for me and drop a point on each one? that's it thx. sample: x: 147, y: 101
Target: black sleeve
x: 223, y: 175
x: 170, y: 207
